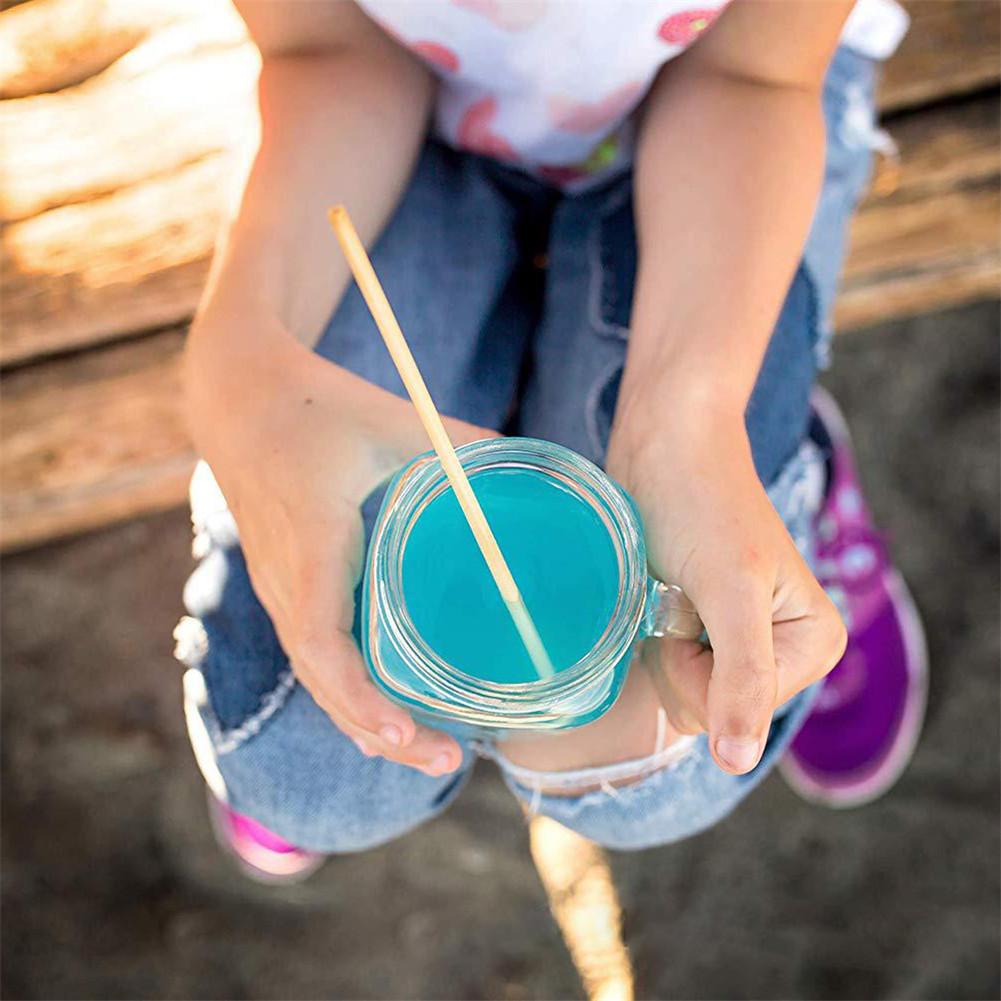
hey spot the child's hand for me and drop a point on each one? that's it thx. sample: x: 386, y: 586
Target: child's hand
x: 294, y: 468
x: 711, y: 528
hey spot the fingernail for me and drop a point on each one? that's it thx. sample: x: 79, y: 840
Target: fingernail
x: 391, y: 735
x: 439, y: 765
x: 740, y: 755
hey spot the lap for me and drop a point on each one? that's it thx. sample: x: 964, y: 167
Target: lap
x: 287, y: 766
x: 449, y: 259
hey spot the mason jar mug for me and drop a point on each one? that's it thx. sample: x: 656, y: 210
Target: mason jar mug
x: 456, y: 696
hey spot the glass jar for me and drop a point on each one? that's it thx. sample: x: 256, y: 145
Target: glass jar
x: 408, y: 671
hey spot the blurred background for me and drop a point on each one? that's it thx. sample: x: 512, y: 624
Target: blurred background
x: 119, y: 119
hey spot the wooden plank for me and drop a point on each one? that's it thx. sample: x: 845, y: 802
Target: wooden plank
x: 132, y: 260
x: 931, y: 239
x: 925, y: 233
x: 943, y: 148
x: 119, y: 129
x: 930, y: 254
x: 92, y: 439
x: 953, y: 47
x: 49, y: 45
x: 46, y: 45
x: 911, y: 292
x: 136, y: 118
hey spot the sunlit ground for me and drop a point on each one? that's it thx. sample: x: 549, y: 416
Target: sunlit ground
x: 583, y: 900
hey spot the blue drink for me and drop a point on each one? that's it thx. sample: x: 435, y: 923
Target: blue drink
x: 435, y: 633
x: 549, y: 537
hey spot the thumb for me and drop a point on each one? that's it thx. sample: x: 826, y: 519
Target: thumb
x: 744, y: 680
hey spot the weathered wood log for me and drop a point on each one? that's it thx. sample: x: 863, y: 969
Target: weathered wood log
x: 132, y: 260
x: 92, y: 439
x: 50, y: 44
x: 119, y: 129
x: 46, y: 45
x: 137, y: 258
x: 916, y: 290
x: 953, y: 47
x: 925, y: 233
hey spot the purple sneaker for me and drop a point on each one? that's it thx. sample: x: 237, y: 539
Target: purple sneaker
x: 864, y: 725
x: 262, y: 855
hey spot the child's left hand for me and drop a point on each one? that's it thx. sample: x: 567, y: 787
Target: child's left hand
x: 711, y: 528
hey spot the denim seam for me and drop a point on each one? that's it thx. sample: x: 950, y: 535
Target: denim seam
x: 820, y: 327
x: 593, y: 404
x: 845, y: 92
x: 596, y: 277
x: 192, y: 650
x: 227, y: 741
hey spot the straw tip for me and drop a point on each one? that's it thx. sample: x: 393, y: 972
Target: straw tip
x: 336, y: 212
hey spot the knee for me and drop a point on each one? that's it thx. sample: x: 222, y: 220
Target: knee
x: 340, y: 811
x: 304, y: 780
x: 625, y: 831
x: 668, y: 806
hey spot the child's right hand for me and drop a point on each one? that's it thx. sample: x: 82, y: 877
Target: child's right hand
x: 295, y: 457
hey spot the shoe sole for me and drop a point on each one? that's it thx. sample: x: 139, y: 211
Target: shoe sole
x: 257, y: 875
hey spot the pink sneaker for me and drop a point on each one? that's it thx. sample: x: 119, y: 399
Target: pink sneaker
x: 263, y: 856
x: 865, y: 724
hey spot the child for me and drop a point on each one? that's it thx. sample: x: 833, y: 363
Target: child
x: 610, y: 225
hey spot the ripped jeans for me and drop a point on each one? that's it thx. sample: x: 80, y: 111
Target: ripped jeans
x: 516, y: 302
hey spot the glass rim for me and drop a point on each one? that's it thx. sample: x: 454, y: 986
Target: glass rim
x: 422, y: 481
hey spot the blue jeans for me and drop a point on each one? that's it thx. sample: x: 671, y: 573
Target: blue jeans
x: 516, y: 303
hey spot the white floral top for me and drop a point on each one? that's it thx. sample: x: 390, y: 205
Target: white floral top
x: 549, y: 85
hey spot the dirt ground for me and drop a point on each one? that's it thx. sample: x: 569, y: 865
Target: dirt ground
x: 113, y: 888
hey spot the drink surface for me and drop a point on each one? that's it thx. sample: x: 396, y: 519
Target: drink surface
x: 559, y: 552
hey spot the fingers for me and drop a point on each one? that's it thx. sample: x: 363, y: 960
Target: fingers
x: 338, y: 680
x: 744, y: 683
x: 804, y: 649
x: 315, y: 631
x: 335, y: 676
x: 680, y: 670
x: 809, y: 646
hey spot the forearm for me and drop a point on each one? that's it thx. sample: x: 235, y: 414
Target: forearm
x: 727, y: 175
x: 338, y: 126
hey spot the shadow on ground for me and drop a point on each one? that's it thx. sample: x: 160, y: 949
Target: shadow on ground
x: 112, y: 887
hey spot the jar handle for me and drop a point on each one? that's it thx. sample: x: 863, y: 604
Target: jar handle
x: 670, y: 612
